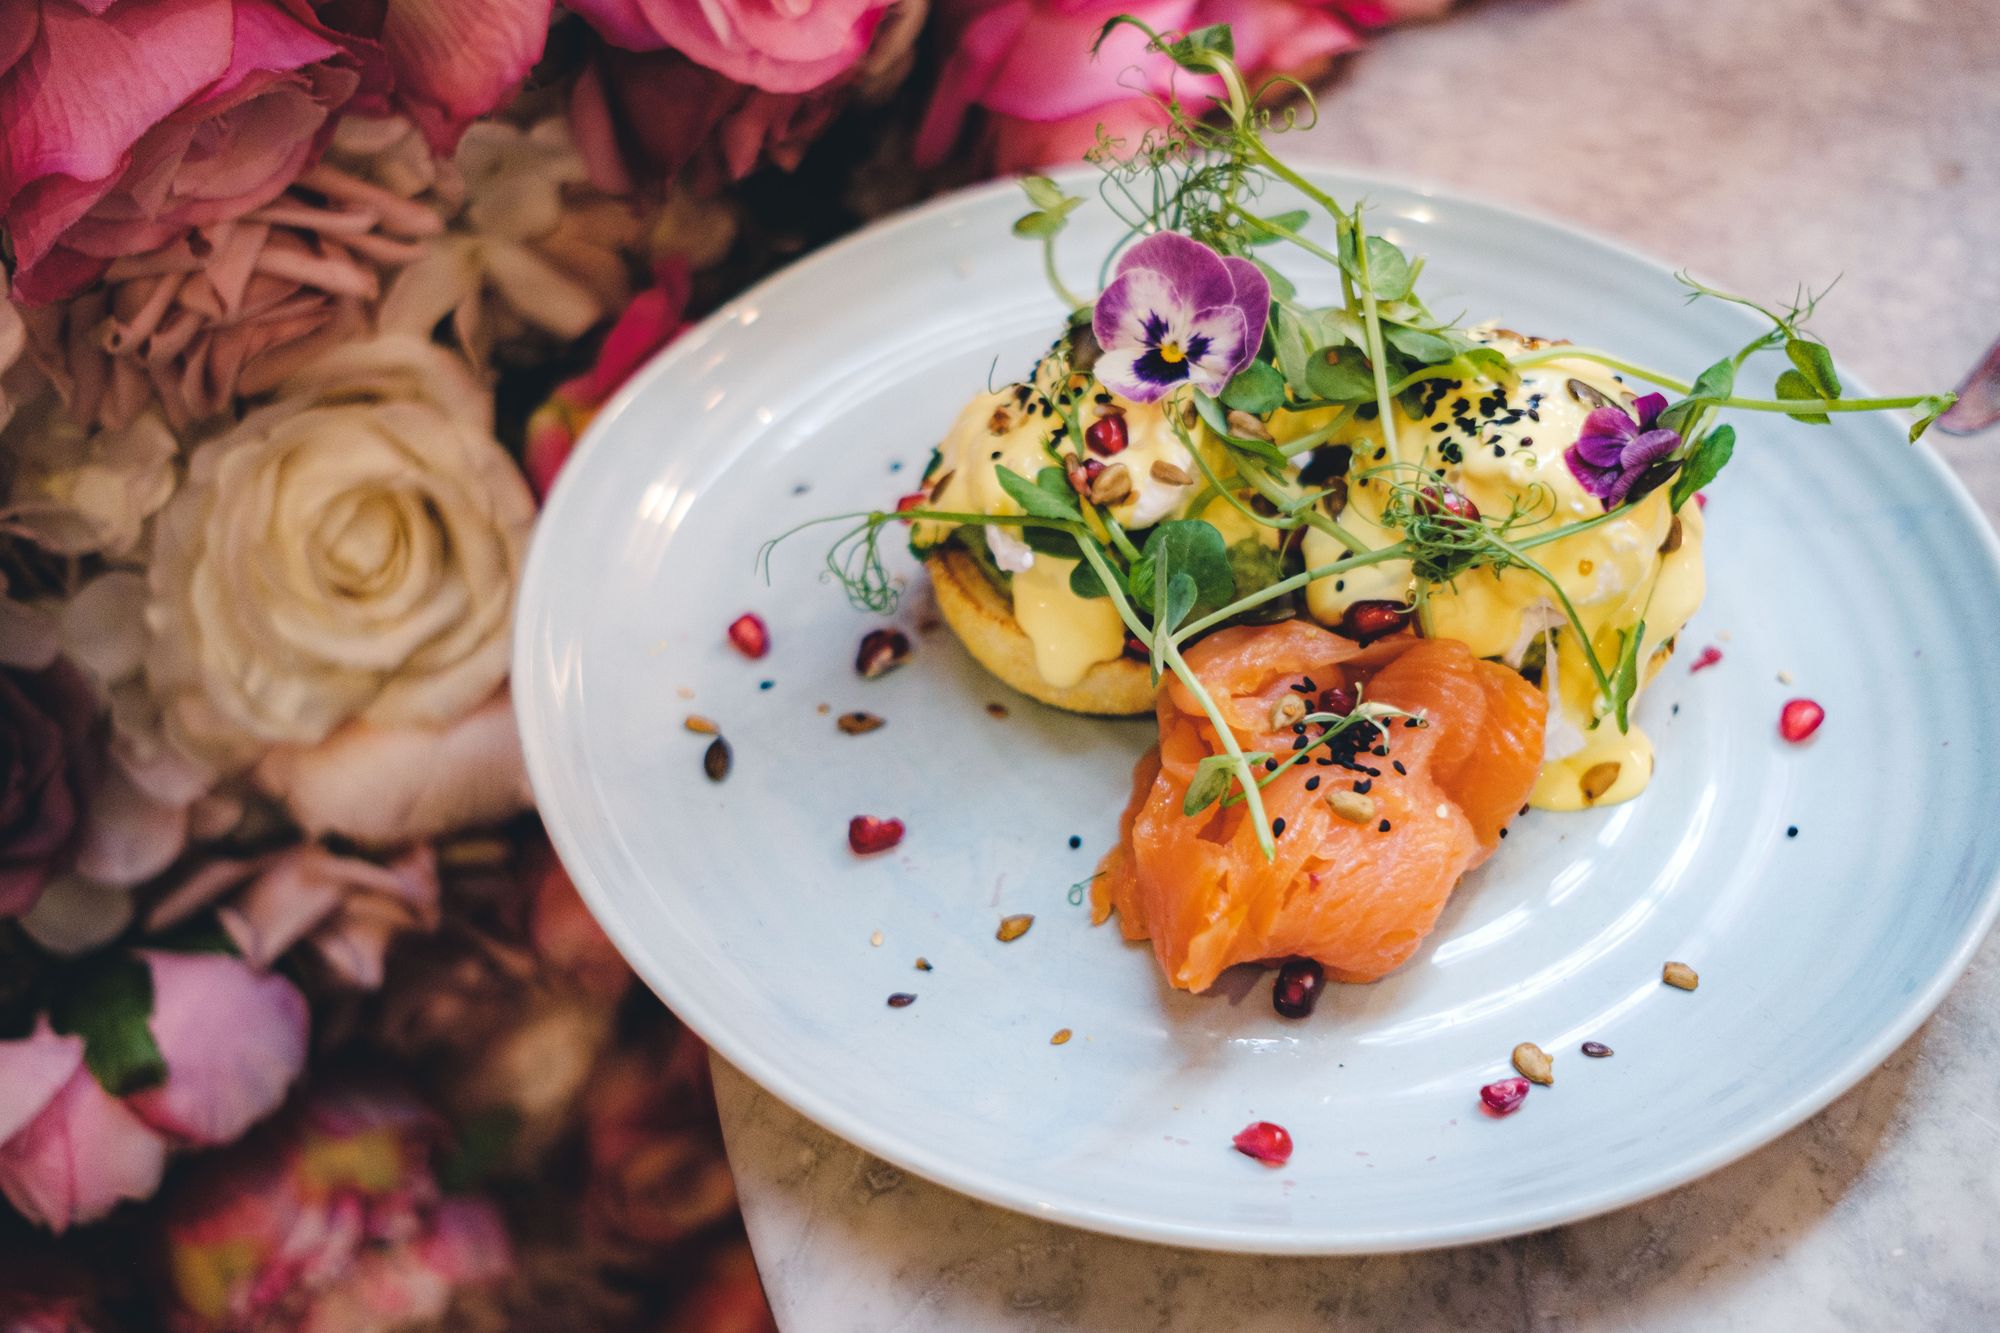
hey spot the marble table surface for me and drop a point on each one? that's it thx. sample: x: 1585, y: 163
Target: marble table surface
x: 1761, y: 143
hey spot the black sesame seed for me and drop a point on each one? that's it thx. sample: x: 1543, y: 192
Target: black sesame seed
x: 1527, y: 441
x: 1074, y: 842
x: 1299, y: 742
x: 1382, y: 827
x: 1312, y: 783
x: 1792, y: 831
x: 1364, y: 786
x: 1340, y: 585
x: 1397, y: 764
x: 766, y: 684
x: 1270, y: 765
x: 1278, y: 827
x: 1503, y: 833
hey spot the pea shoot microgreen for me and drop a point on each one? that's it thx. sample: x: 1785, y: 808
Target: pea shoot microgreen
x: 1379, y: 348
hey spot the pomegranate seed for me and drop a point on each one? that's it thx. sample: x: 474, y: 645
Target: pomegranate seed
x: 914, y: 500
x: 866, y: 834
x: 1266, y: 1142
x: 1705, y: 659
x: 1337, y: 699
x: 881, y: 651
x: 1372, y: 620
x: 1701, y: 498
x: 1136, y: 649
x: 750, y: 635
x: 1107, y: 436
x: 1435, y: 500
x: 1799, y: 718
x: 1297, y: 989
x: 1504, y: 1097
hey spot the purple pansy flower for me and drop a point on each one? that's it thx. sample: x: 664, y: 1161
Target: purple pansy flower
x: 1614, y: 451
x: 1178, y: 313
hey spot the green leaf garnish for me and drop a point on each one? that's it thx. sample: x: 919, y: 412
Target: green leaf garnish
x: 1706, y: 459
x: 1340, y: 375
x: 1795, y: 387
x: 1186, y: 546
x: 1625, y: 679
x: 1047, y: 496
x: 1815, y: 365
x: 1258, y: 388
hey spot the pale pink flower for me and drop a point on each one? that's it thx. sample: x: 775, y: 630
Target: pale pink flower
x: 347, y: 910
x: 233, y: 1038
x: 125, y: 122
x: 387, y: 785
x: 1028, y: 65
x: 69, y: 1151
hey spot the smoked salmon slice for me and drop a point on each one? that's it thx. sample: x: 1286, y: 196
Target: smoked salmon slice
x: 1358, y: 897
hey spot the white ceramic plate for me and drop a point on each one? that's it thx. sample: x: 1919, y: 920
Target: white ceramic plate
x: 1842, y: 556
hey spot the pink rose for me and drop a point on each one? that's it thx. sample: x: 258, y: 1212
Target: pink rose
x: 233, y: 1039
x: 566, y: 937
x: 70, y: 1150
x: 47, y: 766
x: 123, y: 123
x: 1028, y: 65
x: 449, y: 61
x: 781, y: 46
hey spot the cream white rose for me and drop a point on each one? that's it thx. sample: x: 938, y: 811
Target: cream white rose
x: 348, y: 553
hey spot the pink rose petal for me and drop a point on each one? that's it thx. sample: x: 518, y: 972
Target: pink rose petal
x: 222, y: 1076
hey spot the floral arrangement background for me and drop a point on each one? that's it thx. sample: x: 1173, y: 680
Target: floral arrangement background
x: 302, y: 1026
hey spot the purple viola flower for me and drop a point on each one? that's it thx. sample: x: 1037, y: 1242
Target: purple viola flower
x: 1178, y: 313
x: 1614, y: 450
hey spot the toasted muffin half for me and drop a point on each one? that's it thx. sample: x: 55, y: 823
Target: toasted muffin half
x: 980, y: 615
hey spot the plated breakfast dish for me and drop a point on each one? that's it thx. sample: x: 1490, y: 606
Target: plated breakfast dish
x: 1383, y: 579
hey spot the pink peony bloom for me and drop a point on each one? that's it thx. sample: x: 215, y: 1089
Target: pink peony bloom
x: 123, y: 123
x: 332, y: 1220
x: 69, y: 1150
x: 449, y: 61
x: 47, y: 768
x: 651, y: 322
x: 1028, y: 65
x: 790, y: 47
x: 233, y: 1038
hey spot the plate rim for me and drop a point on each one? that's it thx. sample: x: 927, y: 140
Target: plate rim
x: 1785, y: 1115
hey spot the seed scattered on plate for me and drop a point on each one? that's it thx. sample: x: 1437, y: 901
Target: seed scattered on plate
x: 1679, y: 975
x: 716, y: 759
x: 1784, y: 677
x: 750, y: 634
x: 923, y: 964
x: 1505, y: 1096
x: 996, y: 710
x: 867, y: 834
x: 1297, y: 988
x: 876, y: 939
x: 700, y: 725
x: 902, y: 999
x: 881, y: 651
x: 1534, y: 1064
x: 1266, y: 1142
x: 1062, y: 1036
x: 858, y: 724
x: 1014, y: 927
x: 1596, y: 1050
x: 1351, y: 806
x: 1705, y: 659
x: 823, y: 709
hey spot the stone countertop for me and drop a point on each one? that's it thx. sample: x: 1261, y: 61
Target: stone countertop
x: 1760, y: 143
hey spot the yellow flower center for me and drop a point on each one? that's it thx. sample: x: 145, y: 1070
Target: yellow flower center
x: 1171, y: 353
